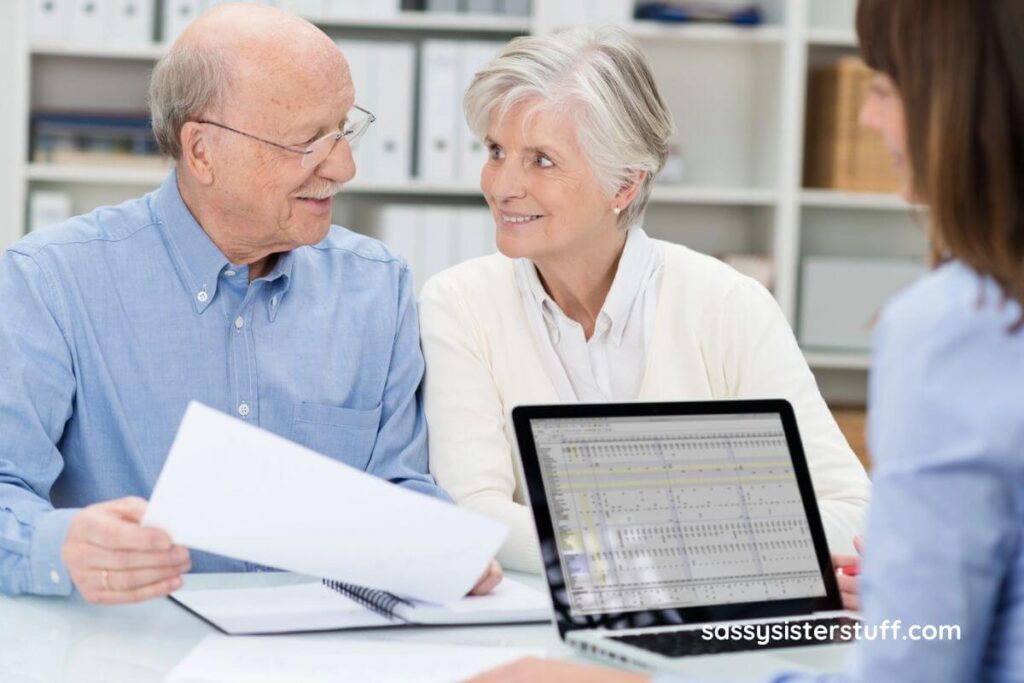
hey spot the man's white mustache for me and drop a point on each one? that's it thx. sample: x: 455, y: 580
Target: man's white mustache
x: 322, y: 193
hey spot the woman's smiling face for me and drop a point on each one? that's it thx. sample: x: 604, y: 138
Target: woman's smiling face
x: 542, y: 191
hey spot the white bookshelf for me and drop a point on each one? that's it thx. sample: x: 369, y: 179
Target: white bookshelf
x: 852, y: 200
x: 435, y: 21
x: 737, y: 93
x: 652, y: 30
x: 151, y: 52
x: 837, y: 360
x: 832, y: 37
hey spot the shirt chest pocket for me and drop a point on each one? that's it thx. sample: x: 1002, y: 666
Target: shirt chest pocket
x: 344, y: 434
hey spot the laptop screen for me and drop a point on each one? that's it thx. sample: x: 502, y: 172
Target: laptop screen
x: 675, y: 511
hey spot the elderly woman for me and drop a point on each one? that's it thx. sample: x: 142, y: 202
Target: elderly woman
x: 581, y: 305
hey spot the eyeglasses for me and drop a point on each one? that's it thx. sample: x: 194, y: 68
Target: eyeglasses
x: 314, y: 154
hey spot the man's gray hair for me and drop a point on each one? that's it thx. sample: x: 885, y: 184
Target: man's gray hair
x: 598, y: 76
x: 186, y: 84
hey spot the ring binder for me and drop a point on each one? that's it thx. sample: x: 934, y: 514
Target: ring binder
x: 381, y: 602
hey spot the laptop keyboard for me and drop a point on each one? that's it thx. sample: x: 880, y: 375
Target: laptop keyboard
x: 691, y: 641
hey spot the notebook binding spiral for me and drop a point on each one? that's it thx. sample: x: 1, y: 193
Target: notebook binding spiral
x: 381, y: 602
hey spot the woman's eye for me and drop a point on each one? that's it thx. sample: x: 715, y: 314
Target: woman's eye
x: 544, y: 162
x: 496, y: 153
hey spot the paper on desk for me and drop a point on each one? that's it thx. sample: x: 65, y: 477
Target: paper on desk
x: 230, y: 488
x: 254, y: 659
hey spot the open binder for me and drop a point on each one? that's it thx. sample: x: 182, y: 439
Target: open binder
x: 333, y: 605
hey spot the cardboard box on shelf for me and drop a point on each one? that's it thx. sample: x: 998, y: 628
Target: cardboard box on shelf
x: 841, y: 154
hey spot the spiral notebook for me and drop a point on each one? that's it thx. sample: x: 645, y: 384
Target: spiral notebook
x: 332, y: 605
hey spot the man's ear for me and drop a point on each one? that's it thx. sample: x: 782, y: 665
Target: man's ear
x: 196, y: 153
x: 629, y: 190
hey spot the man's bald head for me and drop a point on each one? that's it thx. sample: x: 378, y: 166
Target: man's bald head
x: 244, y: 57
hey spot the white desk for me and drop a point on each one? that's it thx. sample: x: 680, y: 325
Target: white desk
x: 52, y: 640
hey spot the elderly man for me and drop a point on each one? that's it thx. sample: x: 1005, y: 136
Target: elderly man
x: 227, y: 285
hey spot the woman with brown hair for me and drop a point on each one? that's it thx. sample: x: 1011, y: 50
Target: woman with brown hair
x: 945, y: 535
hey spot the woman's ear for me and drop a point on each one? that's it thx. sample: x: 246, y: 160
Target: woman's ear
x: 629, y: 190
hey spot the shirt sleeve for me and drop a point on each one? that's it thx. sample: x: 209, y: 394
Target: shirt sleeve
x: 763, y: 360
x: 469, y: 452
x: 400, y: 452
x: 36, y: 393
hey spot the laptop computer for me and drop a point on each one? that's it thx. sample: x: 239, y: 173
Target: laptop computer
x: 664, y: 525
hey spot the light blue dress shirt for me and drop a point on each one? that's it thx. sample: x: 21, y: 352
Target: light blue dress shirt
x: 945, y: 533
x: 113, y: 321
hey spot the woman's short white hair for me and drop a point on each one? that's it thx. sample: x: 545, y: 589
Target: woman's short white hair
x: 600, y: 77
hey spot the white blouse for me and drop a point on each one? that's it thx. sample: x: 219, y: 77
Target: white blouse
x: 609, y: 366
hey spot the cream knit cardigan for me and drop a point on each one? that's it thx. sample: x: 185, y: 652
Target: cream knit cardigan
x: 717, y: 335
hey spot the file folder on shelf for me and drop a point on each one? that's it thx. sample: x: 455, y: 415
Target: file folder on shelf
x: 178, y: 14
x: 130, y: 22
x: 50, y: 20
x: 440, y: 113
x: 383, y: 75
x: 434, y: 237
x: 310, y: 8
x: 87, y: 21
x: 475, y: 55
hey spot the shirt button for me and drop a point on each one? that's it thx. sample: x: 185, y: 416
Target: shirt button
x: 229, y: 273
x: 273, y: 301
x: 54, y: 576
x: 239, y: 323
x: 202, y: 296
x: 243, y: 409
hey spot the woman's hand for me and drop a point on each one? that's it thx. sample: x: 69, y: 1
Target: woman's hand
x: 847, y: 569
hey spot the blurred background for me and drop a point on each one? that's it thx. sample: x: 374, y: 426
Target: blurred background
x: 769, y: 170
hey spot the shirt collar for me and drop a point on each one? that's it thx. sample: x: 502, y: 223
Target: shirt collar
x: 199, y: 261
x: 630, y: 276
x: 526, y: 273
x: 279, y: 279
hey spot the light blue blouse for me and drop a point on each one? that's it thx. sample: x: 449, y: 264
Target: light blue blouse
x: 945, y: 534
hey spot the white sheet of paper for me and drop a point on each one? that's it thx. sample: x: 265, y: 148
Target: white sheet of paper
x: 255, y: 659
x: 230, y: 488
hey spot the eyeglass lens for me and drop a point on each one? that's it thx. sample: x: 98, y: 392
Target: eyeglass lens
x: 321, y: 148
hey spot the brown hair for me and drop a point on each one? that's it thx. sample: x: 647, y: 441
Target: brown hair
x: 959, y: 69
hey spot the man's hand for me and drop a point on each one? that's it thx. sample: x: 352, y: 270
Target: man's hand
x: 533, y: 670
x: 847, y: 569
x: 489, y: 581
x: 113, y: 559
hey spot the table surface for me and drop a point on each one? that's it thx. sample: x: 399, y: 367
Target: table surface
x: 49, y: 640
